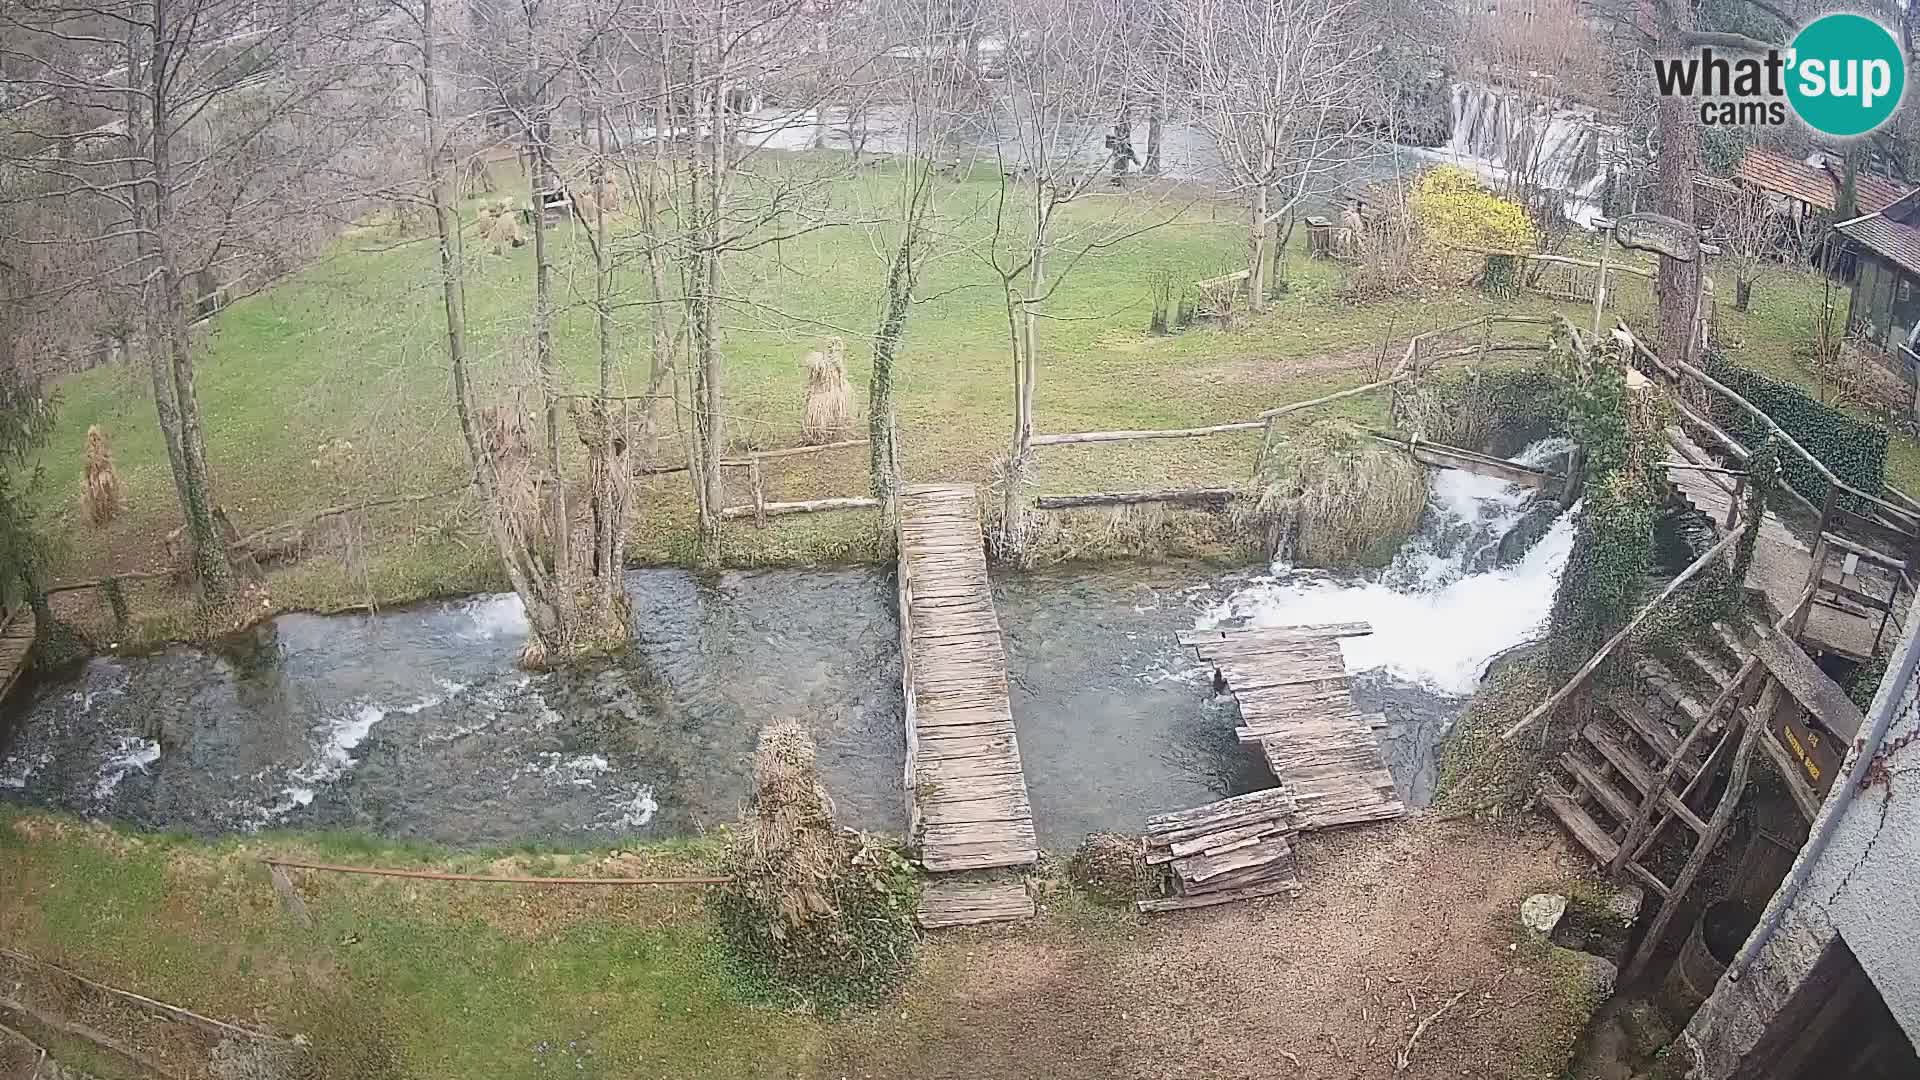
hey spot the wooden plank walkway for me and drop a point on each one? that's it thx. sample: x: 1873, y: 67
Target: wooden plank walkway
x: 967, y: 796
x: 1292, y: 686
x: 16, y: 647
x: 1781, y: 562
x: 951, y: 901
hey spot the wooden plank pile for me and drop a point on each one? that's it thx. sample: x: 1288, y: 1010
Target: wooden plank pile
x: 1234, y: 849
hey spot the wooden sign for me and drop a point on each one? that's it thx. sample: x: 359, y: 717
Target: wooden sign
x: 1658, y: 233
x: 1816, y: 752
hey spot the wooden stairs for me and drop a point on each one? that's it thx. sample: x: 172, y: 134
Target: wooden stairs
x: 1644, y: 759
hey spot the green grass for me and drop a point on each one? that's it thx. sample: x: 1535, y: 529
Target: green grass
x: 331, y: 388
x: 449, y: 980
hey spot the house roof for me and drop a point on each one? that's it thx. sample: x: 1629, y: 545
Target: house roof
x: 1897, y: 243
x: 1815, y: 185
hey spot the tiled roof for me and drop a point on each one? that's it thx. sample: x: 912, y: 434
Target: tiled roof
x: 1771, y: 172
x: 1897, y: 243
x: 1814, y: 185
x: 1874, y: 193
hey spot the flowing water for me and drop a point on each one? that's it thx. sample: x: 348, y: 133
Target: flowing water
x: 1496, y: 130
x: 414, y: 723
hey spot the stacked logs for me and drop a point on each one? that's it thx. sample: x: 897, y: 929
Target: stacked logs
x: 1234, y: 849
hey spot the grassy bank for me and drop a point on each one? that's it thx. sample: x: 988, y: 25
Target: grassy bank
x: 330, y: 389
x: 398, y: 979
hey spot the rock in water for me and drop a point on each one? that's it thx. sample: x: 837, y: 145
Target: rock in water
x: 1541, y: 912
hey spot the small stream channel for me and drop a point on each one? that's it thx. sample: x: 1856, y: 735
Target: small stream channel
x: 414, y: 723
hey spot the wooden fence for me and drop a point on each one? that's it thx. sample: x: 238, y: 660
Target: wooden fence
x: 1422, y: 352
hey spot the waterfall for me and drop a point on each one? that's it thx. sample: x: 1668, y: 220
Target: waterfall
x: 1498, y: 129
x: 1440, y: 611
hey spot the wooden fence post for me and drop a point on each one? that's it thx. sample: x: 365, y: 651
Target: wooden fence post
x: 759, y: 495
x: 1733, y: 507
x: 1260, y: 456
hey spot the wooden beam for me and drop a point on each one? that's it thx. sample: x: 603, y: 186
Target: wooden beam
x: 778, y: 509
x: 1796, y: 673
x: 1442, y: 456
x: 1132, y: 436
x: 1353, y: 391
x: 1129, y: 498
x: 746, y: 461
x: 1580, y: 676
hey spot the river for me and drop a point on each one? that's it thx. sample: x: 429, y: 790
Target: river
x: 414, y: 724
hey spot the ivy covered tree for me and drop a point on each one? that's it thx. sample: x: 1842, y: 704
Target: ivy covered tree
x: 26, y: 416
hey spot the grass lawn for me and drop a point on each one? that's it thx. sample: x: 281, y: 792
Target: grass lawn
x: 398, y: 978
x: 331, y: 388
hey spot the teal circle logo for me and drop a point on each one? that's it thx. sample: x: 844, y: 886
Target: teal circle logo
x: 1846, y: 74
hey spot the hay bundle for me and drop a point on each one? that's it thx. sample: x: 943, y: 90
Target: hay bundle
x: 1331, y: 496
x: 829, y: 412
x: 585, y: 204
x: 609, y: 195
x: 812, y: 914
x: 500, y: 226
x: 509, y: 443
x: 790, y: 841
x: 100, y: 493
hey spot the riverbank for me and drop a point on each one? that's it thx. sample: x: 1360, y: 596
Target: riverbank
x: 417, y: 979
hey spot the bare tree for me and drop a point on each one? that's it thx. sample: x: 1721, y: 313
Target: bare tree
x: 1277, y: 85
x: 1066, y: 79
x: 201, y: 138
x: 1749, y: 232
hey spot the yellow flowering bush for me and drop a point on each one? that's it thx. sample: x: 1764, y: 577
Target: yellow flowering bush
x: 1453, y: 210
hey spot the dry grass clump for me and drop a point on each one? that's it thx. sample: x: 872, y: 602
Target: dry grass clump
x: 1333, y: 497
x: 829, y: 412
x: 1111, y: 867
x: 500, y: 226
x: 814, y: 915
x: 100, y: 491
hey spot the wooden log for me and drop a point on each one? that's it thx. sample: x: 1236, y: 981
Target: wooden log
x: 1132, y: 436
x: 1442, y: 456
x: 1336, y: 396
x: 811, y: 506
x: 1130, y: 498
x: 747, y: 461
x: 1586, y: 670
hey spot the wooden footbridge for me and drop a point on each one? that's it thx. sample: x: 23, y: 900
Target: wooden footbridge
x: 966, y: 793
x: 16, y: 647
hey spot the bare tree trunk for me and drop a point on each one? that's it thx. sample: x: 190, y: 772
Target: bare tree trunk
x: 1156, y: 118
x: 539, y: 127
x: 169, y: 346
x: 882, y: 422
x: 1026, y: 335
x: 1257, y: 249
x: 1674, y: 168
x: 523, y: 572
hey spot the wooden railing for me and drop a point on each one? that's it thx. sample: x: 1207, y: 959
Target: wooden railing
x: 1415, y: 361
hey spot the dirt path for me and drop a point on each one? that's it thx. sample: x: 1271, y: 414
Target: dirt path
x: 1394, y: 922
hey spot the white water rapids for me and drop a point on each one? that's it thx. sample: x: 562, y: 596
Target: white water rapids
x: 1437, y: 618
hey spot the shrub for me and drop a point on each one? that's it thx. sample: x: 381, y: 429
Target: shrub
x: 1111, y: 868
x: 1332, y: 496
x: 1453, y: 210
x: 814, y: 916
x: 1856, y: 451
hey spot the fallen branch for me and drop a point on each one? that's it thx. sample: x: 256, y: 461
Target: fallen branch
x: 776, y: 509
x: 81, y: 1031
x: 1406, y: 1056
x: 504, y: 879
x: 205, y: 1023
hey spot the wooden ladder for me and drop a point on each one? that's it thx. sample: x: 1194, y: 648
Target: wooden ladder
x: 1632, y: 774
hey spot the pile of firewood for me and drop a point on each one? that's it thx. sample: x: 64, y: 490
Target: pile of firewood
x: 1234, y: 849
